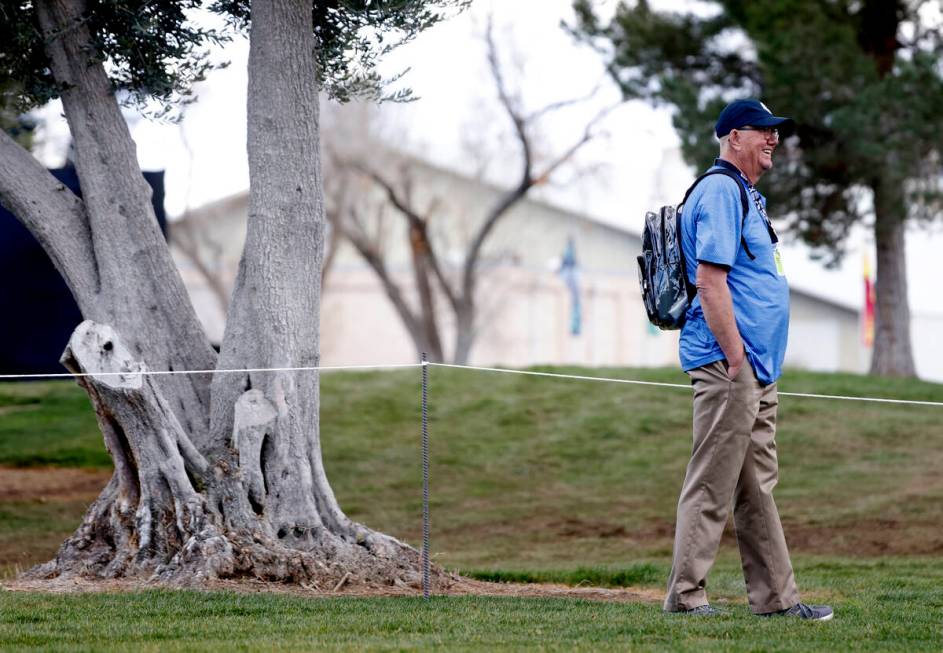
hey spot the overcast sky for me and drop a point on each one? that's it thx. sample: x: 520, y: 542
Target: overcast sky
x: 205, y: 157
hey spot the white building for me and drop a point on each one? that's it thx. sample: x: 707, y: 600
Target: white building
x: 524, y: 305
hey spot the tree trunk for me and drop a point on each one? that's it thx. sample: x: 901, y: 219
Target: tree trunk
x: 429, y: 340
x: 169, y: 515
x: 893, y: 354
x: 135, y: 287
x: 273, y: 321
x: 465, y: 302
x: 246, y: 495
x: 464, y: 330
x: 149, y: 517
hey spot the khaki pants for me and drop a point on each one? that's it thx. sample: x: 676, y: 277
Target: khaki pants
x: 733, y: 460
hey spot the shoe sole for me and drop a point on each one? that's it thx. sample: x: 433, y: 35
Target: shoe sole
x: 827, y: 617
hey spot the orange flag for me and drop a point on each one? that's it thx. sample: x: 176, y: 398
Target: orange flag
x: 867, y: 316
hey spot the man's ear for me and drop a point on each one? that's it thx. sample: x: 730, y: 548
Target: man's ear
x: 733, y: 138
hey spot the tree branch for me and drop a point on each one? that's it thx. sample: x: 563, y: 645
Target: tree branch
x: 527, y: 179
x: 373, y: 258
x: 400, y: 203
x: 562, y: 104
x: 568, y: 154
x: 181, y: 233
x: 516, y: 116
x: 416, y: 222
x: 474, y: 251
x: 334, y: 241
x: 139, y: 290
x: 55, y: 217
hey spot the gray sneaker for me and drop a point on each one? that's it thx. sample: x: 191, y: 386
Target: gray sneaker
x: 803, y: 611
x: 700, y: 611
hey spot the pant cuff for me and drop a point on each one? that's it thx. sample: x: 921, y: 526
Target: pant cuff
x: 678, y: 606
x: 776, y: 606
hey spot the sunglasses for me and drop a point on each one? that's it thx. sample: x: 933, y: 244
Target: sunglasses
x: 767, y: 131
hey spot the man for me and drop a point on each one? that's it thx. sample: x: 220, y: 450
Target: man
x: 732, y: 346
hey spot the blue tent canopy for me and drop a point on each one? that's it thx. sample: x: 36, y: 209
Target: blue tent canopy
x: 37, y: 311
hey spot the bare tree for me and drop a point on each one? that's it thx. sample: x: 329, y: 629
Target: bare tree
x: 217, y: 474
x: 194, y: 240
x: 353, y: 220
x: 430, y: 274
x: 204, y: 253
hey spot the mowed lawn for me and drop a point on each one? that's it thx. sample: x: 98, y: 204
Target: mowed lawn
x: 895, y: 618
x: 532, y: 479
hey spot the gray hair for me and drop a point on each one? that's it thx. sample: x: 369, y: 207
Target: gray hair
x: 723, y: 140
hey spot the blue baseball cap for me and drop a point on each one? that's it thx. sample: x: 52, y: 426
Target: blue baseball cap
x: 741, y: 113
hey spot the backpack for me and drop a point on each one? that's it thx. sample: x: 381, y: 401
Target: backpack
x: 666, y: 291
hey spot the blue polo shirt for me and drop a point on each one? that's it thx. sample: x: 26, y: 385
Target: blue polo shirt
x: 710, y: 232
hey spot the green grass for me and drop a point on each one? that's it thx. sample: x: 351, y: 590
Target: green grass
x: 882, y: 606
x: 534, y: 480
x: 529, y: 472
x: 533, y: 473
x: 640, y: 574
x: 49, y: 423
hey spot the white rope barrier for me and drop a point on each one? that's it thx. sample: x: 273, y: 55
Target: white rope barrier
x: 575, y: 377
x: 562, y: 376
x: 911, y: 402
x: 688, y: 386
x: 321, y: 368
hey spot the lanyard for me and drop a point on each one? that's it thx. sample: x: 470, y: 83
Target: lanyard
x: 755, y: 195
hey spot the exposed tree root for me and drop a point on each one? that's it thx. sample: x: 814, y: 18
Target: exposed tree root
x: 171, y: 516
x: 458, y: 586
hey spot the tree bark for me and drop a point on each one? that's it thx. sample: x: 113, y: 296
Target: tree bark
x: 136, y: 287
x: 221, y: 480
x: 171, y: 515
x: 149, y: 517
x: 55, y: 217
x: 273, y: 318
x: 893, y: 353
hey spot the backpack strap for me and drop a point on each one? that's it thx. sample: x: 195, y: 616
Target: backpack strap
x: 688, y: 286
x: 745, y: 203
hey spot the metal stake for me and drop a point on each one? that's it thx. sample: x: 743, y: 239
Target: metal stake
x: 425, y: 477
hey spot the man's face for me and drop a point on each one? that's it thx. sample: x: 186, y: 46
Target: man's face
x: 757, y: 145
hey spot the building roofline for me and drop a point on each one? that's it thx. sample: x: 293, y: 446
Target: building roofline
x: 216, y: 206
